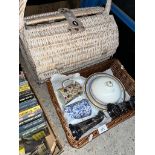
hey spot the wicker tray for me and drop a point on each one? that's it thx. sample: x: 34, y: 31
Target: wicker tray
x: 120, y: 73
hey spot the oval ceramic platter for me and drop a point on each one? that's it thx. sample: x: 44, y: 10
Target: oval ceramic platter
x: 102, y: 88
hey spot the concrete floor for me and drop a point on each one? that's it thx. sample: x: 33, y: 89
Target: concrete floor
x: 119, y: 140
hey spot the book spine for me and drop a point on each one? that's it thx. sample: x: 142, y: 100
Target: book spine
x: 25, y: 93
x: 24, y: 87
x: 30, y: 119
x: 31, y: 124
x: 21, y: 79
x: 31, y: 96
x: 33, y: 130
x: 29, y: 113
x: 27, y: 104
x: 23, y: 83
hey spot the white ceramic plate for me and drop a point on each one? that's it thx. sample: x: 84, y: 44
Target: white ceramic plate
x: 102, y: 89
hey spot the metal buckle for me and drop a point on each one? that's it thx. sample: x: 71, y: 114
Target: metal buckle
x: 75, y: 25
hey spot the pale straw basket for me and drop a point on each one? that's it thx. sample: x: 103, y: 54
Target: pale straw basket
x: 49, y: 47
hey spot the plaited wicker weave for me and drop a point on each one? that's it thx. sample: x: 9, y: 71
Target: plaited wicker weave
x: 119, y: 72
x: 50, y: 48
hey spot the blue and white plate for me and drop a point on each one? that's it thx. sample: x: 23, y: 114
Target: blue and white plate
x: 79, y: 110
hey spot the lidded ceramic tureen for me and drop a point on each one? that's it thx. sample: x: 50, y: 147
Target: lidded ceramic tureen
x: 102, y: 89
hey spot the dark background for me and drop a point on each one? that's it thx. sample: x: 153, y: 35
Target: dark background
x: 126, y: 50
x: 127, y: 6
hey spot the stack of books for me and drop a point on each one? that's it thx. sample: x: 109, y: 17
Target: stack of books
x: 32, y: 125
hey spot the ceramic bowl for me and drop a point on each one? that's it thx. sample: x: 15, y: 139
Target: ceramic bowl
x: 101, y: 89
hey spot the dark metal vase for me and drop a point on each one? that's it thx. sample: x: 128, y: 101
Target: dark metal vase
x: 79, y: 129
x: 122, y: 108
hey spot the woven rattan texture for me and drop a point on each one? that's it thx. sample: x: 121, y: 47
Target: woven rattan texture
x: 120, y: 73
x: 50, y: 48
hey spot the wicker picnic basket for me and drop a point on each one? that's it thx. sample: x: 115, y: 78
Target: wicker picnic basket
x: 67, y: 40
x: 119, y: 72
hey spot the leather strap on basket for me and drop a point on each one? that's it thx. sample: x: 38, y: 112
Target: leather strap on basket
x: 75, y: 25
x: 22, y: 6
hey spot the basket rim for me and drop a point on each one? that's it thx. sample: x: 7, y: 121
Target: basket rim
x: 84, y: 140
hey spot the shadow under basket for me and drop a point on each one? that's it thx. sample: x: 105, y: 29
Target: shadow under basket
x: 119, y: 72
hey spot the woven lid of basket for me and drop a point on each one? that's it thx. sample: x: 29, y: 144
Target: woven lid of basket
x: 52, y: 48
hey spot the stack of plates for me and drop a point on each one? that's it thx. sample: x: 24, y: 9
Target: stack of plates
x: 102, y: 89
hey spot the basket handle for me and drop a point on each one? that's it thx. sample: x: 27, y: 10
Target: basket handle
x: 108, y: 6
x: 22, y: 6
